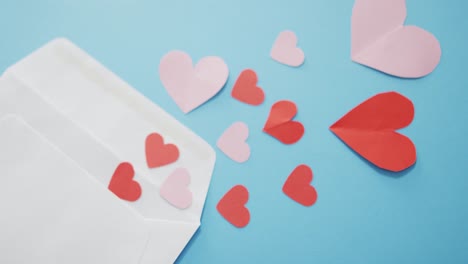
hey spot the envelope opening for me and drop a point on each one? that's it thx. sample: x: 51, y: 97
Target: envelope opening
x: 62, y: 51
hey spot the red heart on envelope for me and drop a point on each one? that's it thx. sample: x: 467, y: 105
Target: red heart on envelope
x: 280, y: 125
x: 246, y: 90
x: 369, y: 129
x: 232, y: 206
x: 159, y: 154
x: 122, y: 183
x: 298, y: 187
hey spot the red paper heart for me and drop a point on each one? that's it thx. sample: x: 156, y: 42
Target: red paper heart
x: 159, y: 154
x: 280, y: 124
x: 122, y: 183
x: 369, y: 129
x: 298, y: 187
x: 232, y: 206
x: 246, y: 90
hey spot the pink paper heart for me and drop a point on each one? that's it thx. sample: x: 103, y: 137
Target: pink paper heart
x: 232, y: 142
x: 191, y: 86
x: 381, y: 41
x: 175, y: 189
x: 285, y: 50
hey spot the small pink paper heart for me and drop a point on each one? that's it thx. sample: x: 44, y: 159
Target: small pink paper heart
x: 285, y: 50
x: 191, y: 86
x: 381, y: 41
x: 232, y: 142
x: 175, y: 189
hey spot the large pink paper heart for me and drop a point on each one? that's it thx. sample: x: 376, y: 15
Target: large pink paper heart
x: 381, y: 41
x: 285, y: 50
x: 232, y: 142
x: 175, y: 189
x: 191, y: 86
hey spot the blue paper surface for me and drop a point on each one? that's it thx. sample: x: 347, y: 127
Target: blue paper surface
x: 363, y: 214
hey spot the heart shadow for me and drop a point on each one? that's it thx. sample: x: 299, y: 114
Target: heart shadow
x: 384, y: 172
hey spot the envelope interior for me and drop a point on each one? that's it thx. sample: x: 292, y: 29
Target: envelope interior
x: 117, y: 115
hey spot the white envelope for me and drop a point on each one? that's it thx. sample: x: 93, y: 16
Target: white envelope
x: 100, y: 121
x: 53, y: 211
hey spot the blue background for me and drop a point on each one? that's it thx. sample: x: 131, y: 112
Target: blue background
x: 363, y: 214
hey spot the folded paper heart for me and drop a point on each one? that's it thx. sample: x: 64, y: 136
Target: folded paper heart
x: 232, y: 206
x: 298, y: 187
x: 369, y: 129
x: 122, y: 183
x: 381, y: 41
x: 191, y: 86
x: 175, y: 189
x: 159, y: 154
x: 246, y: 90
x: 285, y: 50
x: 280, y: 125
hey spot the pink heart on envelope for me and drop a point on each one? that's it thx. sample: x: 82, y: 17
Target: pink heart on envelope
x: 191, y: 86
x: 175, y: 189
x: 232, y: 142
x: 381, y: 41
x: 285, y: 50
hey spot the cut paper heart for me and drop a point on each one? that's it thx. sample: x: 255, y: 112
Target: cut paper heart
x: 232, y: 142
x: 369, y: 129
x: 381, y: 41
x: 232, y: 206
x: 246, y: 90
x: 175, y: 189
x: 122, y: 183
x: 285, y: 50
x: 298, y: 188
x: 280, y: 125
x: 159, y: 154
x: 191, y: 86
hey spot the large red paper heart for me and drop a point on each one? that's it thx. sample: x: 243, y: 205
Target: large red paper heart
x: 232, y: 206
x: 280, y: 124
x: 159, y: 154
x: 246, y: 90
x: 298, y: 187
x: 122, y: 183
x: 369, y: 129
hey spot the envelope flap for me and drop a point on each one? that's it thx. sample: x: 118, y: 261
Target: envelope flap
x: 167, y: 240
x: 60, y: 55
